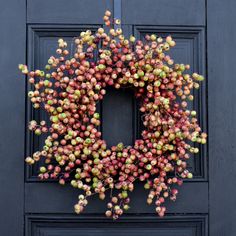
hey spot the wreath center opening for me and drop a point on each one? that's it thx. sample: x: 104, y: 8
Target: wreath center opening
x: 120, y: 120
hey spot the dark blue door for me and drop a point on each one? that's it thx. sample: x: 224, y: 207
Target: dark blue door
x: 205, y: 33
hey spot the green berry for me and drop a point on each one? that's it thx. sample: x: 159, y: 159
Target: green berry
x: 101, y: 67
x: 50, y: 102
x: 70, y: 133
x: 46, y: 83
x: 55, y: 119
x: 163, y: 74
x: 140, y: 73
x: 153, y: 37
x: 77, y: 92
x: 50, y: 61
x: 200, y: 78
x: 74, y: 183
x: 86, y: 151
x: 88, y: 140
x: 96, y: 115
x: 30, y: 94
x: 148, y: 166
x: 120, y: 146
x: 47, y: 67
x: 124, y: 194
x: 37, y: 132
x: 147, y: 186
x: 73, y: 142
x: 77, y: 176
x: 42, y: 73
x: 157, y: 134
x: 42, y: 169
x: 189, y: 175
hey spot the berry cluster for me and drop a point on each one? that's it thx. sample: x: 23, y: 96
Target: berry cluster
x: 69, y: 89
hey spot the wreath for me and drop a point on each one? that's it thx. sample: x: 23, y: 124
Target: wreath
x: 69, y: 89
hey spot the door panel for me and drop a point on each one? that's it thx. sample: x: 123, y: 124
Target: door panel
x: 12, y: 118
x: 189, y: 49
x: 67, y: 12
x: 42, y: 43
x: 30, y: 31
x: 161, y: 12
x: 130, y: 226
x: 120, y: 122
x: 221, y: 32
x: 53, y: 198
x: 120, y: 116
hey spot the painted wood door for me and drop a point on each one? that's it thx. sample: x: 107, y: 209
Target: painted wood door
x: 205, y: 33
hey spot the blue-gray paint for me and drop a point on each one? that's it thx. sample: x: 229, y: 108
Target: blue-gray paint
x: 205, y: 205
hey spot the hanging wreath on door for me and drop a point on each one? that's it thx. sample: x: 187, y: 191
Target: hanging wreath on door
x: 69, y: 89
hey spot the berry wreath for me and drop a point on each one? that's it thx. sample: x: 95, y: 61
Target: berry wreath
x: 69, y: 89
